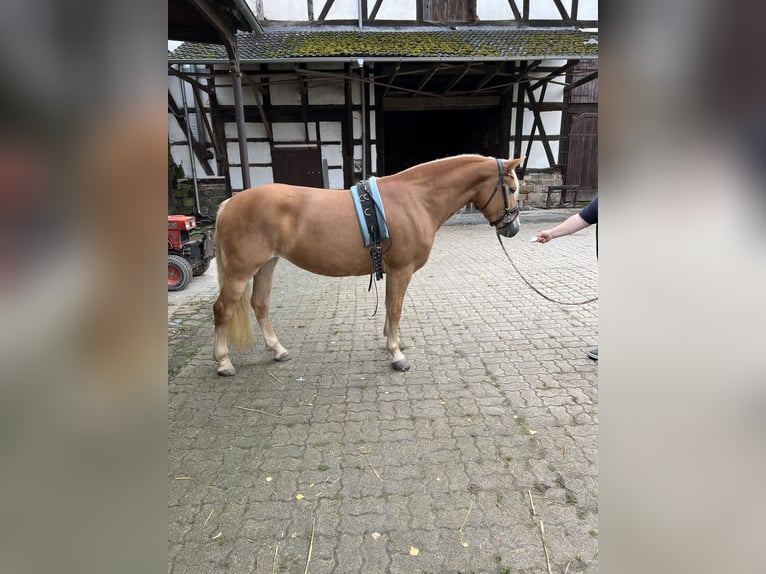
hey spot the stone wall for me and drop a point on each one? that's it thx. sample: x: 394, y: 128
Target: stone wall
x: 212, y: 191
x: 534, y: 189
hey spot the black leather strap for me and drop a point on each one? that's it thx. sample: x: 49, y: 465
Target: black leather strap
x: 371, y: 220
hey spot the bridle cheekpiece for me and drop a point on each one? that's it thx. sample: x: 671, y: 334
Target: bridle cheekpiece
x: 507, y: 216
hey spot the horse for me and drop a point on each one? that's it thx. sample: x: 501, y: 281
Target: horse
x: 317, y: 230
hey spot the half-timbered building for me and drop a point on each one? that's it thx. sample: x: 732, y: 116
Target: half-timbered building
x: 333, y: 91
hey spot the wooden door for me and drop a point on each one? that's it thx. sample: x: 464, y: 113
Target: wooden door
x: 582, y: 158
x: 449, y: 10
x: 297, y: 166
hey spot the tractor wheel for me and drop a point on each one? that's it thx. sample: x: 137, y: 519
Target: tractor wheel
x: 202, y: 268
x: 179, y: 273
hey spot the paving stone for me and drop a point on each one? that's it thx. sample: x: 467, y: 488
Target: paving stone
x: 501, y: 404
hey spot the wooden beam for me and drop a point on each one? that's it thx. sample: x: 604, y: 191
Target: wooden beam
x: 179, y: 115
x: 523, y: 74
x: 220, y: 137
x: 515, y: 9
x: 375, y: 9
x: 187, y: 78
x: 457, y: 79
x: 581, y: 81
x: 538, y: 123
x: 455, y: 102
x: 227, y: 30
x: 326, y: 9
x: 200, y: 109
x: 367, y: 80
x: 425, y: 80
x: 486, y: 79
x: 555, y: 73
x: 304, y: 102
x: 562, y: 10
x: 519, y: 129
x: 256, y: 85
x: 393, y: 76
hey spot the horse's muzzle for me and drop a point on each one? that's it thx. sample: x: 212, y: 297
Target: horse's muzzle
x: 509, y: 229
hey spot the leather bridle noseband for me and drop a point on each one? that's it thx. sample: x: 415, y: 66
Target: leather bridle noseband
x: 505, y: 217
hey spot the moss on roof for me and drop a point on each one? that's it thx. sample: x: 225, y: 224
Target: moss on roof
x: 499, y: 43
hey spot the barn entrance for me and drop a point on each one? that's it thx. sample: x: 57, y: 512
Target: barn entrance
x: 413, y: 137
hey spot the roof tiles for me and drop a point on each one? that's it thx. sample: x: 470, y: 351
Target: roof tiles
x: 494, y: 43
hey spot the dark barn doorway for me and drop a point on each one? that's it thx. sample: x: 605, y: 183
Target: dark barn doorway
x: 413, y: 137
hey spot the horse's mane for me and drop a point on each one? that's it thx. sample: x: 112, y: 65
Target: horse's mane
x: 416, y: 170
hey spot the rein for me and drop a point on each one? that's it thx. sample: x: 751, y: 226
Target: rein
x: 535, y: 289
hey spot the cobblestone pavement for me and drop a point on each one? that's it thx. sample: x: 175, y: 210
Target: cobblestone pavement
x: 481, y: 458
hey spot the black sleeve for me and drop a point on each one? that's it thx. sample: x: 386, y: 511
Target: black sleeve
x: 590, y: 212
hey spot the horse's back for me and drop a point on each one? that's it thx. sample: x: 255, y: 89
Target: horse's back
x: 316, y: 229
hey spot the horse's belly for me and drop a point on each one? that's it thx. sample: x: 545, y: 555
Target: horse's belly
x: 333, y: 258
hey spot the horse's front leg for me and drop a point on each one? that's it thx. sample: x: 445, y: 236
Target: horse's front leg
x: 260, y: 302
x: 396, y: 286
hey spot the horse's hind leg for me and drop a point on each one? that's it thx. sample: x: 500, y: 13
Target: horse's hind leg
x: 260, y: 302
x: 229, y: 300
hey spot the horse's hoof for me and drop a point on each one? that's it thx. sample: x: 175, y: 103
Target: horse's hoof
x: 401, y: 366
x: 282, y: 358
x: 227, y: 372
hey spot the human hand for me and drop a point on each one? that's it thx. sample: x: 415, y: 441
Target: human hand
x: 543, y: 236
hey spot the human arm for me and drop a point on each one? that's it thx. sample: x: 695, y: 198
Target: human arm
x: 571, y: 225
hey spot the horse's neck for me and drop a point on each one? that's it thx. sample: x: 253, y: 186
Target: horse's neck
x: 445, y: 189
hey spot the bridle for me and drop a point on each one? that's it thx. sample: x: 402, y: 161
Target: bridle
x: 508, y: 213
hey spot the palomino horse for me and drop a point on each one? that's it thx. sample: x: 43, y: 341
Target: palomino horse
x: 318, y: 230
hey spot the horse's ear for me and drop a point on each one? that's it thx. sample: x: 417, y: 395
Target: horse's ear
x: 514, y: 163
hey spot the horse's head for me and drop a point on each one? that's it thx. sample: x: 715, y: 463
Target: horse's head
x: 501, y: 209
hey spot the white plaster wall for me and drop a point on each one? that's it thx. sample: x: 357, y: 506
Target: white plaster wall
x: 551, y: 123
x: 286, y: 10
x: 257, y: 152
x: 341, y: 10
x: 174, y: 87
x: 333, y: 154
x: 330, y: 131
x: 546, y: 9
x: 285, y: 93
x: 180, y: 155
x: 537, y: 157
x: 553, y: 93
x: 292, y: 132
x: 326, y: 94
x: 374, y: 157
x: 225, y: 95
x: 335, y: 178
x: 494, y: 10
x: 588, y: 10
x: 371, y: 131
x: 356, y: 93
x: 357, y: 124
x: 258, y: 176
x: 252, y: 130
x: 397, y: 9
x: 175, y: 134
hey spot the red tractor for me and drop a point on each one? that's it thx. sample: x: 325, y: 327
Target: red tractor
x: 189, y: 251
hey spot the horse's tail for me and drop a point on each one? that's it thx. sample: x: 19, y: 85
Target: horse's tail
x: 240, y: 328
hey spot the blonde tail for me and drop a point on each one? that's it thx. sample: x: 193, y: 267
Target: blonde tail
x: 240, y: 328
